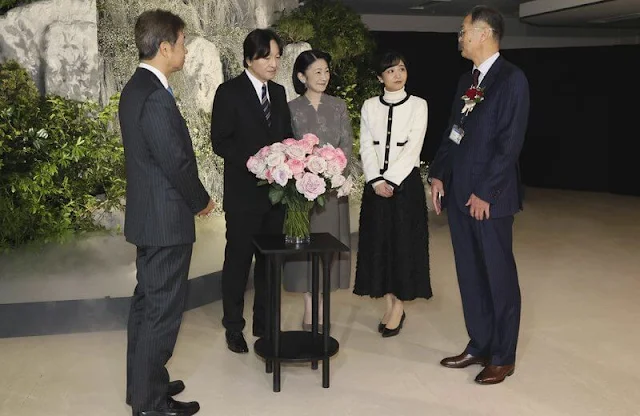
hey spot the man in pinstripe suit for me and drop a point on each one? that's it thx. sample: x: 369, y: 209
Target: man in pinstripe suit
x: 477, y: 166
x: 164, y: 194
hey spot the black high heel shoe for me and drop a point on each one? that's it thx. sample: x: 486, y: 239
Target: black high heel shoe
x: 386, y: 332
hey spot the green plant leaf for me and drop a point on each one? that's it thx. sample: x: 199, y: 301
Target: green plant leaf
x: 276, y: 194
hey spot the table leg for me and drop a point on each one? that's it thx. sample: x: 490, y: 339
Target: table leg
x: 276, y: 330
x: 326, y: 305
x: 269, y: 310
x: 315, y: 291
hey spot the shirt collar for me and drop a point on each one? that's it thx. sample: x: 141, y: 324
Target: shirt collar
x: 156, y: 72
x: 486, y: 65
x: 257, y: 84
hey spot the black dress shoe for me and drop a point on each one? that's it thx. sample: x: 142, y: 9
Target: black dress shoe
x: 236, y: 342
x: 175, y: 387
x: 386, y: 332
x: 172, y: 408
x: 381, y: 327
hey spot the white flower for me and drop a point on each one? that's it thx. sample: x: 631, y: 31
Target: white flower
x: 276, y: 158
x: 296, y: 152
x: 278, y: 147
x: 346, y: 187
x: 333, y: 168
x: 281, y: 174
x: 316, y: 164
x: 468, y: 107
x: 337, y: 181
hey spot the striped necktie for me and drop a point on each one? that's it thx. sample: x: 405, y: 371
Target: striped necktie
x: 476, y: 77
x: 266, y: 105
x: 171, y: 92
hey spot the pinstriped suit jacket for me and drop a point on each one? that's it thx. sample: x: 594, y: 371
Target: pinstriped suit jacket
x: 485, y: 162
x: 163, y: 189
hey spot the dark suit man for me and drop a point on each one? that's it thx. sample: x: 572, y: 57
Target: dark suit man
x: 476, y: 171
x: 249, y: 112
x: 163, y: 195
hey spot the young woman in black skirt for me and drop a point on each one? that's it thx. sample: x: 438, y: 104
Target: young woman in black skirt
x: 393, y: 248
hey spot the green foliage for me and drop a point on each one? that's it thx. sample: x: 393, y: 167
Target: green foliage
x: 339, y: 31
x: 295, y: 30
x: 57, y: 155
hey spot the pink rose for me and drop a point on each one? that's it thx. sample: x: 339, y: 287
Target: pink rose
x: 311, y: 138
x: 316, y: 164
x: 289, y: 142
x: 327, y: 152
x: 341, y: 158
x: 311, y: 186
x: 308, y: 142
x: 264, y: 152
x: 257, y: 166
x: 268, y: 176
x: 296, y: 166
x: 281, y: 174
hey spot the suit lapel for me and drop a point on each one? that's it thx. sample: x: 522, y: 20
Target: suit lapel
x: 492, y: 75
x: 253, y: 102
x: 486, y: 84
x: 154, y: 79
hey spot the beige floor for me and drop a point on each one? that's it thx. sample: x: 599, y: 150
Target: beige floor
x: 579, y: 261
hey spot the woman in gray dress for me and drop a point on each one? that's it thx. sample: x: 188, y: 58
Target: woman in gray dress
x: 326, y: 117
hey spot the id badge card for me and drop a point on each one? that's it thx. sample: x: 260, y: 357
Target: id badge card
x: 457, y: 133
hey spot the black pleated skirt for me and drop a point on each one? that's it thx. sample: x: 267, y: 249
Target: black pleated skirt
x: 393, y: 246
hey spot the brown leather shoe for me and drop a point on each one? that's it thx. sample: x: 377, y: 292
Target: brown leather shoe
x: 463, y: 360
x: 494, y: 374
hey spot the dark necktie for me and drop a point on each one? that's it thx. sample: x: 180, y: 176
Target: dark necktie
x: 476, y: 77
x: 266, y: 105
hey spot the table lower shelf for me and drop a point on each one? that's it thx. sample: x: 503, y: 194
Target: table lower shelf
x: 297, y: 346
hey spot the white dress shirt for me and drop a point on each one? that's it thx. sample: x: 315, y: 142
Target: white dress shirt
x: 486, y: 66
x: 157, y: 73
x: 257, y: 84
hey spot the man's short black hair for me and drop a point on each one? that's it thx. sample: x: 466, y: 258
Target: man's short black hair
x: 257, y: 45
x: 154, y: 27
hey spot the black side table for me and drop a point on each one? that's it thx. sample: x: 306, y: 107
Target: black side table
x: 297, y: 346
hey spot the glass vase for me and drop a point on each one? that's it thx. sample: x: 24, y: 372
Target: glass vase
x: 297, y: 229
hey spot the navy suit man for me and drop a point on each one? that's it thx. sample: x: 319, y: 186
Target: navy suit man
x: 476, y: 173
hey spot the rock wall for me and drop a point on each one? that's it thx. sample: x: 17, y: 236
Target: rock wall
x: 57, y: 42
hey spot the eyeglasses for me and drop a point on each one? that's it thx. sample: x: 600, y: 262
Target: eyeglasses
x: 462, y: 31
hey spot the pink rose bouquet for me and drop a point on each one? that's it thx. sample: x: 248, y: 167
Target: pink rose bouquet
x: 300, y: 173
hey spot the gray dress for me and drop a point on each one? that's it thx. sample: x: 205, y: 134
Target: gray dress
x: 331, y: 124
